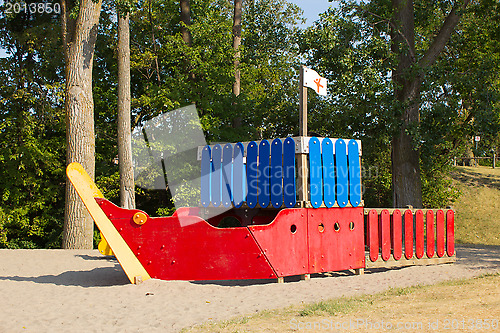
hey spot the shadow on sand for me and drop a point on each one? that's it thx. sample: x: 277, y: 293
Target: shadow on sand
x: 479, y: 256
x: 97, y: 277
x: 476, y: 178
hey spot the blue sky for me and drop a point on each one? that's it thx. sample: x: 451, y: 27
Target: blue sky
x: 312, y: 8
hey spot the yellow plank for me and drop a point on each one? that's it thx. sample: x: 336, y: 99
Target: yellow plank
x: 87, y: 190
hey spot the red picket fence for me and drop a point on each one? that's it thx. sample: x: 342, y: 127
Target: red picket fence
x: 396, y: 235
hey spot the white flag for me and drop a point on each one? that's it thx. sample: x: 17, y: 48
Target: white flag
x: 314, y: 81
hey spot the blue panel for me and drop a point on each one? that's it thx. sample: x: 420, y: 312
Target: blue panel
x: 276, y: 173
x: 315, y: 173
x: 216, y: 175
x: 252, y: 174
x: 264, y: 150
x: 289, y: 193
x: 328, y: 172
x: 238, y: 175
x: 354, y: 174
x: 342, y: 173
x: 206, y: 170
x: 227, y: 175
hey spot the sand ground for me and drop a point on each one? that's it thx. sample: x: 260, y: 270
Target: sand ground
x: 82, y: 291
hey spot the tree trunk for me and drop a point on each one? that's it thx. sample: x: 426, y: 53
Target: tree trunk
x: 186, y: 35
x: 127, y: 194
x: 238, y: 8
x: 406, y: 183
x: 79, y: 105
x: 407, y: 78
x: 153, y: 40
x: 186, y: 19
x: 238, y: 4
x: 469, y: 153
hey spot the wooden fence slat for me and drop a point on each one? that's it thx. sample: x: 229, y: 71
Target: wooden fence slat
x: 408, y: 225
x: 216, y: 183
x: 264, y: 152
x: 397, y: 235
x: 276, y: 173
x: 354, y: 173
x: 315, y: 173
x: 430, y: 234
x: 289, y: 191
x: 238, y: 175
x: 450, y: 233
x: 252, y: 174
x: 385, y: 234
x: 328, y: 172
x: 419, y: 234
x: 227, y: 175
x: 373, y: 238
x: 440, y: 233
x: 342, y: 173
x: 206, y: 173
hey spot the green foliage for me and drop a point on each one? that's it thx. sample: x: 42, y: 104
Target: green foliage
x: 460, y: 96
x: 351, y: 47
x: 125, y: 6
x: 169, y: 211
x: 31, y: 132
x: 354, y: 56
x: 167, y: 73
x: 270, y: 62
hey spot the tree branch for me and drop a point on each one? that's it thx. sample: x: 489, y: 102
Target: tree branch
x: 393, y: 26
x: 444, y: 34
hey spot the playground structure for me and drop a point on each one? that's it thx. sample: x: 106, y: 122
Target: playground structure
x: 295, y: 207
x: 267, y: 210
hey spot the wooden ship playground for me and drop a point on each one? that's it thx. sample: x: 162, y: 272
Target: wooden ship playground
x: 295, y: 208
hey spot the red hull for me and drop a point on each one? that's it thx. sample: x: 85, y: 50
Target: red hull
x: 296, y: 242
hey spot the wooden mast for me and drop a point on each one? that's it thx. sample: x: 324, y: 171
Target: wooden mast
x: 302, y: 157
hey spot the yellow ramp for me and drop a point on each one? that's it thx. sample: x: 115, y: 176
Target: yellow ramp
x: 87, y: 190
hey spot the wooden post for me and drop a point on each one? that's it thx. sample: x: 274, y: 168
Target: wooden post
x: 302, y: 158
x: 494, y: 158
x: 302, y: 104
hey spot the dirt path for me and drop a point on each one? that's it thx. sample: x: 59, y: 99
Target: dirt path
x: 81, y: 291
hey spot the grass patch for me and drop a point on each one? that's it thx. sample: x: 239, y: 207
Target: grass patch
x: 478, y: 207
x: 475, y: 299
x: 333, y: 307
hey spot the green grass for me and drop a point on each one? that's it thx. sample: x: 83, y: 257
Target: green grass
x: 424, y: 302
x: 478, y: 207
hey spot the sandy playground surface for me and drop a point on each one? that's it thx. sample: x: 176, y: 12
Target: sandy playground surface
x: 82, y: 291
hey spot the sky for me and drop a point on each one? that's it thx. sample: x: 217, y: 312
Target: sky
x: 312, y: 9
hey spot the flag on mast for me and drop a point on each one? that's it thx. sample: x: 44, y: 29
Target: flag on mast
x: 315, y: 82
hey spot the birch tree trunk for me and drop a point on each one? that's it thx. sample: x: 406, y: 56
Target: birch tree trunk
x: 127, y: 193
x: 238, y: 4
x: 238, y: 8
x: 79, y: 42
